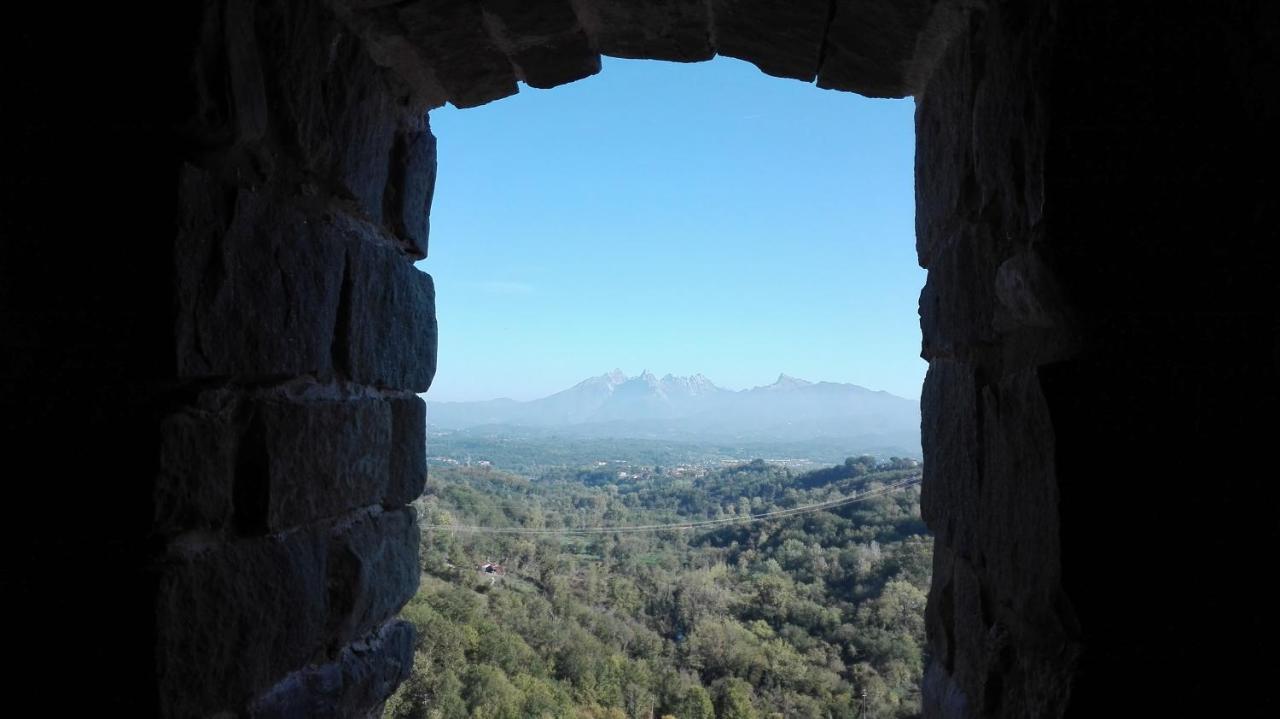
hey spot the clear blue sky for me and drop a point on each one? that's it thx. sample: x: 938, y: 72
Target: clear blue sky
x: 676, y: 218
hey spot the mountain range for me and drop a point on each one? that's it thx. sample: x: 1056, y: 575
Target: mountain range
x: 694, y: 408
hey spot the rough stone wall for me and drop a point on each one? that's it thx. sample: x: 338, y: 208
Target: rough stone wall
x: 216, y: 408
x: 1093, y: 183
x: 473, y: 52
x: 302, y: 333
x: 212, y: 334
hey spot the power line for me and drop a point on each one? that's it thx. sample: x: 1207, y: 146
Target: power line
x: 806, y: 509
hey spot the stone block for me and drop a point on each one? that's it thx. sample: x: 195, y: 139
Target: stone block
x: 454, y: 40
x: 390, y: 48
x: 332, y: 104
x: 940, y: 610
x: 677, y: 30
x: 373, y: 571
x: 781, y: 37
x: 970, y: 620
x: 231, y: 620
x: 244, y: 73
x: 194, y: 484
x: 561, y: 60
x: 950, y: 438
x: 315, y: 459
x: 544, y: 41
x: 1028, y: 294
x: 258, y: 284
x: 364, y: 136
x: 411, y: 187
x: 869, y: 46
x: 363, y: 676
x: 945, y: 183
x: 387, y: 335
x: 1010, y: 125
x: 941, y: 697
x: 525, y: 23
x: 408, y: 451
x: 957, y: 304
x: 267, y: 289
x: 1020, y: 523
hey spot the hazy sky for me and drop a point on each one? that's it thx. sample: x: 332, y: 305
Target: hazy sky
x: 676, y: 218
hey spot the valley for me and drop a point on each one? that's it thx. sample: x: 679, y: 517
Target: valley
x: 814, y: 615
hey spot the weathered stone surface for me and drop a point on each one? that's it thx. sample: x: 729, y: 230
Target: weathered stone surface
x: 373, y: 571
x: 678, y: 30
x: 408, y: 451
x: 390, y: 48
x: 957, y: 621
x: 248, y: 106
x: 947, y: 21
x: 368, y: 4
x: 338, y: 125
x: 362, y: 677
x: 941, y: 698
x: 317, y: 459
x: 545, y: 41
x: 228, y: 100
x: 258, y: 284
x: 388, y: 330
x: 193, y: 489
x: 232, y: 620
x: 957, y: 304
x: 950, y: 433
x: 269, y: 290
x: 1018, y: 522
x: 1002, y: 631
x: 781, y: 37
x: 411, y: 187
x: 385, y: 38
x: 454, y: 40
x: 1033, y: 635
x: 945, y: 187
x: 1009, y: 125
x: 869, y: 46
x: 365, y: 137
x: 1028, y: 294
x: 567, y: 59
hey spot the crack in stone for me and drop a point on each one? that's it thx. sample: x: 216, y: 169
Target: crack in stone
x: 341, y: 335
x: 826, y: 33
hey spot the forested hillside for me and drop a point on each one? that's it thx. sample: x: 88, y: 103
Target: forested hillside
x: 814, y: 615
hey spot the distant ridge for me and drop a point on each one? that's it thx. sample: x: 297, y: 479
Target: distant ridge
x: 693, y: 408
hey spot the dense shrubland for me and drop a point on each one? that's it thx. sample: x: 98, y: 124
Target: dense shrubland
x: 815, y: 615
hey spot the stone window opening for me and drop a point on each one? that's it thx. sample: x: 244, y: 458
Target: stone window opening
x: 227, y: 337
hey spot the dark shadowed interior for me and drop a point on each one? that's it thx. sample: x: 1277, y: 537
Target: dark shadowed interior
x: 213, y: 333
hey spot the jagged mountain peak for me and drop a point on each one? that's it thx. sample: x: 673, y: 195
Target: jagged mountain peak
x: 786, y: 382
x: 614, y: 404
x: 696, y: 384
x: 609, y: 380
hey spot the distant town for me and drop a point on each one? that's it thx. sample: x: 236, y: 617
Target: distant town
x: 634, y: 470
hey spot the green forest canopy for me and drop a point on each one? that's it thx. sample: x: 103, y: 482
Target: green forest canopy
x: 815, y: 615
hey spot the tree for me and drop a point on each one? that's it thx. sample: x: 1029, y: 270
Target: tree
x: 735, y: 699
x: 490, y: 694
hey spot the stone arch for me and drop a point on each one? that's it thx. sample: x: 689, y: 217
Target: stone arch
x: 216, y: 408
x: 472, y: 53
